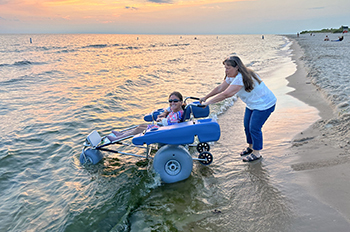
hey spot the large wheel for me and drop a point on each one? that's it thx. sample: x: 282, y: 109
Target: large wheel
x: 91, y: 156
x: 173, y: 163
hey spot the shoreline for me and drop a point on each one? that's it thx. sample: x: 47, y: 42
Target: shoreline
x: 288, y: 170
x: 320, y: 151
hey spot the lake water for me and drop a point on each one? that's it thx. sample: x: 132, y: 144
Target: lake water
x: 57, y: 89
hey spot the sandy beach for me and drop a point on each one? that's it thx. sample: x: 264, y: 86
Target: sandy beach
x: 322, y: 80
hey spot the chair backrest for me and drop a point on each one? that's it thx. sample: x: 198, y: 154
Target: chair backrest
x: 196, y: 111
x: 93, y: 138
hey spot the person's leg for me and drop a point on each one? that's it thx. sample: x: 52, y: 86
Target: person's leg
x: 246, y: 123
x: 257, y: 120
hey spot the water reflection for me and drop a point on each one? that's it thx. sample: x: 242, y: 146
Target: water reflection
x: 271, y: 209
x: 76, y: 83
x: 244, y: 201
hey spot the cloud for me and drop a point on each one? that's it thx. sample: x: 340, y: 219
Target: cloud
x: 211, y: 7
x: 3, y: 2
x: 161, y: 1
x: 131, y: 8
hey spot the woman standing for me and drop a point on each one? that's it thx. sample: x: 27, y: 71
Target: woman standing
x: 260, y: 102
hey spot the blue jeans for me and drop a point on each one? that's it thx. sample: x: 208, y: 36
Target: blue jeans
x: 253, y: 122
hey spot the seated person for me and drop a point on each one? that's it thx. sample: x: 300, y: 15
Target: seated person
x: 340, y: 38
x: 172, y: 114
x: 326, y: 39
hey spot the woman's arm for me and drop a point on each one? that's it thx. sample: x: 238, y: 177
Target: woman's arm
x: 229, y: 92
x: 218, y: 89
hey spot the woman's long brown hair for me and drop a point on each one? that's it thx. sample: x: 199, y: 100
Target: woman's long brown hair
x: 247, y: 73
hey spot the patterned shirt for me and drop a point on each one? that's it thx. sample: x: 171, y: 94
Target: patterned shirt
x: 174, y: 117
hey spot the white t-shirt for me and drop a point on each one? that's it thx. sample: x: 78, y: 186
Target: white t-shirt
x: 260, y: 98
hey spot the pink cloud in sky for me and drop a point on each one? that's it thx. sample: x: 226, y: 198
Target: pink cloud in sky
x: 170, y: 16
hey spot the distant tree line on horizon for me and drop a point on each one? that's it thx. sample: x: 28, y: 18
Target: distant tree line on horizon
x: 327, y: 30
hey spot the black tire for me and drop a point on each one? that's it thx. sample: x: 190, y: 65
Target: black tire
x: 173, y: 163
x: 206, y: 155
x: 203, y: 147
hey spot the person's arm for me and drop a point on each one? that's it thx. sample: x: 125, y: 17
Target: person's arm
x: 162, y: 115
x: 229, y: 92
x: 218, y: 89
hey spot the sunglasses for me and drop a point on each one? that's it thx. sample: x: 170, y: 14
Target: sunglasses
x: 173, y: 100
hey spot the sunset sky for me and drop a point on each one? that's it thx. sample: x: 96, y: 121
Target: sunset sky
x: 172, y: 16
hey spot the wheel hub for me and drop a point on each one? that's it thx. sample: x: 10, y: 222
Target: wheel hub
x: 172, y: 167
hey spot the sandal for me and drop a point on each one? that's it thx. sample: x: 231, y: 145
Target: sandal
x: 251, y: 158
x: 247, y: 151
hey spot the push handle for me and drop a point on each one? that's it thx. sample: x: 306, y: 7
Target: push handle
x: 193, y: 98
x: 201, y: 105
x: 196, y: 104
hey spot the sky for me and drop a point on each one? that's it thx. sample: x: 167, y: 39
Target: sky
x: 171, y: 16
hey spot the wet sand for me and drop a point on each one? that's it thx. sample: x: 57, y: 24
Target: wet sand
x: 322, y: 150
x: 306, y: 151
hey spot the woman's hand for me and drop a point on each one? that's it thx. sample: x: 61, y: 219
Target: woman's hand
x: 202, y: 99
x: 205, y: 104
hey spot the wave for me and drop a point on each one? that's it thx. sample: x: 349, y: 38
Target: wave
x: 22, y: 63
x: 168, y: 45
x: 286, y: 44
x: 13, y: 80
x: 177, y: 45
x: 222, y: 107
x: 174, y: 60
x: 67, y: 51
x: 43, y: 48
x: 96, y: 46
x: 117, y: 45
x: 131, y: 48
x: 29, y: 78
x: 18, y: 63
x: 23, y: 49
x: 122, y: 46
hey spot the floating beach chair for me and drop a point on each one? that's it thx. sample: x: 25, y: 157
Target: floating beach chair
x: 172, y: 161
